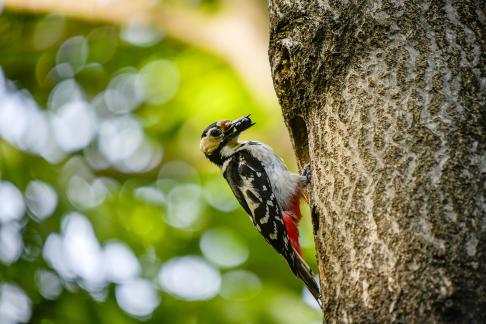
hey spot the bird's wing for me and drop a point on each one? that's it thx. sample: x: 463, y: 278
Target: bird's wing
x: 251, y: 186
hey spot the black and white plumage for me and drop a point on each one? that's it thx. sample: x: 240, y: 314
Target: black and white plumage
x: 264, y: 187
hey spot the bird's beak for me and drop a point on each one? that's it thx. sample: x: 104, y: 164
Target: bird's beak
x: 234, y: 128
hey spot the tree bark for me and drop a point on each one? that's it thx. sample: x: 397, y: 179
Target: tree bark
x: 387, y: 101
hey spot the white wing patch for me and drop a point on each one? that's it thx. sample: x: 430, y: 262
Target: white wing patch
x: 265, y: 219
x: 247, y: 190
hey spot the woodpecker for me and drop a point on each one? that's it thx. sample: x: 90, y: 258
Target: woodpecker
x: 264, y: 187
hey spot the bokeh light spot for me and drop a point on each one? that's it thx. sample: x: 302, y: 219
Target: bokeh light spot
x: 82, y: 250
x: 190, y: 278
x: 121, y: 264
x: 94, y: 158
x: 41, y: 199
x: 54, y: 255
x: 124, y: 93
x: 219, y: 196
x: 12, y: 205
x: 161, y: 81
x: 48, y: 31
x: 180, y: 172
x: 137, y: 297
x: 240, y: 285
x: 139, y: 33
x: 222, y: 247
x: 119, y: 138
x: 146, y: 157
x: 65, y: 92
x: 11, y: 243
x: 150, y: 195
x: 184, y: 205
x: 74, y: 125
x: 86, y: 195
x: 22, y: 123
x: 15, y: 306
x: 103, y: 42
x: 49, y: 284
x: 72, y: 54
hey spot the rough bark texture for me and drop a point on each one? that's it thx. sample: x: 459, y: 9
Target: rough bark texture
x: 387, y: 101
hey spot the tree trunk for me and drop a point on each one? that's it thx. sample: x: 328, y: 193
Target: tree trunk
x: 387, y: 101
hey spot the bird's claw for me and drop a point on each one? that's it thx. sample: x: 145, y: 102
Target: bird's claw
x: 306, y: 173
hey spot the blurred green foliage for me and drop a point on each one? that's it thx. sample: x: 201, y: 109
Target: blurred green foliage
x: 160, y: 202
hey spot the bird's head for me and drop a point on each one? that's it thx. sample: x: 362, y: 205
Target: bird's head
x: 222, y: 133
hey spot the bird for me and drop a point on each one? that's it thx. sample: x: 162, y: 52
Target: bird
x: 264, y: 187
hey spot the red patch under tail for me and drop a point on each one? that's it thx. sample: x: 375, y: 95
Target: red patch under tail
x: 291, y: 220
x: 292, y: 229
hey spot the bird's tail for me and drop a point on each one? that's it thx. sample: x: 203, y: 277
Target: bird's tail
x: 304, y: 272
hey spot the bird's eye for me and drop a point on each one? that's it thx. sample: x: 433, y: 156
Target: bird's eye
x: 215, y: 132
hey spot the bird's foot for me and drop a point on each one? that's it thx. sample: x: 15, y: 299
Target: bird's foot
x: 306, y: 174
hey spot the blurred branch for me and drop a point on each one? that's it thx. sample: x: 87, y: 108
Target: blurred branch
x: 238, y: 33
